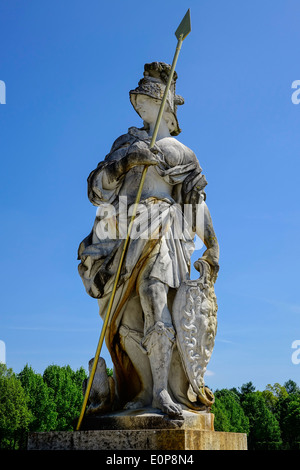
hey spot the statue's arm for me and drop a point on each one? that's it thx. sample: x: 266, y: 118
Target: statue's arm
x: 107, y: 177
x: 193, y: 195
x: 134, y: 156
x: 205, y: 231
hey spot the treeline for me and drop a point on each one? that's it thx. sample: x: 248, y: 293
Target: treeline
x: 32, y: 402
x: 271, y: 418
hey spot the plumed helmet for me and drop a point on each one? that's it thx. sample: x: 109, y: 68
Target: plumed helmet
x: 153, y: 84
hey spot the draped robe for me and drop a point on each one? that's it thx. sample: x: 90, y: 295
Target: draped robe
x: 161, y: 231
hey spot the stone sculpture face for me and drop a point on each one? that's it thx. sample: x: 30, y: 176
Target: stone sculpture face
x: 159, y: 312
x: 147, y: 107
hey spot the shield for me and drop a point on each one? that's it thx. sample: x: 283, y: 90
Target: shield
x: 195, y: 321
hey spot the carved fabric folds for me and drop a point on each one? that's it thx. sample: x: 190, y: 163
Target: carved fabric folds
x: 164, y: 235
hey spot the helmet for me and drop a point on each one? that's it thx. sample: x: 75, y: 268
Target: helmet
x: 153, y: 85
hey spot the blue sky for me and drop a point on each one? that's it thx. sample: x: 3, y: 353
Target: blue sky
x: 68, y: 67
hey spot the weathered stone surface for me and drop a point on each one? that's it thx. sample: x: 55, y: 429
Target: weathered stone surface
x: 147, y: 439
x: 148, y: 419
x: 162, y: 331
x: 141, y: 430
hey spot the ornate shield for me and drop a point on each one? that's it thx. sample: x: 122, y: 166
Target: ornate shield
x: 195, y: 320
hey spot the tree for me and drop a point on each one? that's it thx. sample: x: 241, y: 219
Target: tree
x: 229, y: 414
x: 66, y: 392
x: 32, y: 402
x: 221, y: 421
x: 245, y: 389
x: 291, y: 423
x: 272, y: 395
x: 291, y: 387
x: 279, y: 391
x: 264, y: 427
x: 14, y: 413
x: 40, y: 402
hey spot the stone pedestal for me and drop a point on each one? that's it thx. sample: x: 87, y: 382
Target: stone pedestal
x: 141, y: 430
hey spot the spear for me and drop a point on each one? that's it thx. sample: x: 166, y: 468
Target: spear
x: 181, y: 33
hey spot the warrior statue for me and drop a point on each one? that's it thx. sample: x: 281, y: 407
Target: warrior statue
x: 163, y: 324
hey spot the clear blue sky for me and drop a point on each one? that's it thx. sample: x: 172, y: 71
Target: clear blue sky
x: 68, y: 67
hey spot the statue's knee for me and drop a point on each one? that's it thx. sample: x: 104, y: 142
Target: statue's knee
x: 158, y: 333
x: 130, y: 338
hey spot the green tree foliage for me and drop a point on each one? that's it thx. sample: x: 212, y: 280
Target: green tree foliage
x: 221, y: 421
x: 290, y: 423
x: 287, y: 411
x: 229, y: 414
x: 52, y: 401
x: 264, y: 428
x: 273, y: 394
x: 14, y: 413
x: 291, y: 387
x: 65, y: 387
x: 40, y: 401
x: 245, y: 389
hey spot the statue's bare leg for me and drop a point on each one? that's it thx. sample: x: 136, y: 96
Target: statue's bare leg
x: 131, y: 334
x: 158, y: 341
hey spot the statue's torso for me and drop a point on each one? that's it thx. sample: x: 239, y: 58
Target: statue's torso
x: 174, y: 153
x: 154, y: 185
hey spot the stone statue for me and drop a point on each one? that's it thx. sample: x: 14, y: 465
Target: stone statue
x: 102, y: 392
x: 163, y: 324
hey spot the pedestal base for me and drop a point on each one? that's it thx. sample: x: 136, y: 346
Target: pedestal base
x: 141, y: 430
